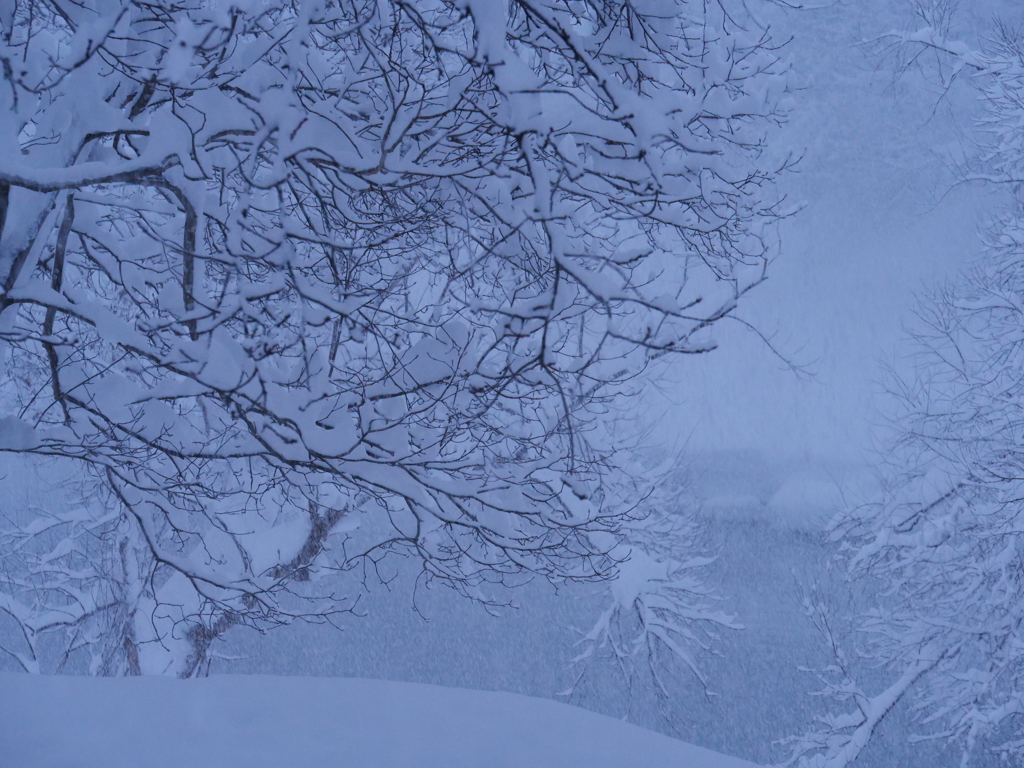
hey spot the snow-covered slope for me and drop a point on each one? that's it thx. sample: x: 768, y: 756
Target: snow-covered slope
x: 256, y: 722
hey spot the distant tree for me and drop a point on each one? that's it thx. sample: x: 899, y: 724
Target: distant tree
x: 303, y: 284
x: 942, y: 551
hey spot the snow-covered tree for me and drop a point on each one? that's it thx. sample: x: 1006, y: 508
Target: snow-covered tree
x: 941, y: 553
x: 302, y: 284
x: 659, y: 613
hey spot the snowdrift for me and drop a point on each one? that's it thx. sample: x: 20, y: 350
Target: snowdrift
x: 261, y: 721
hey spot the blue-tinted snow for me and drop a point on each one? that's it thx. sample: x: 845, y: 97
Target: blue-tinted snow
x: 270, y: 722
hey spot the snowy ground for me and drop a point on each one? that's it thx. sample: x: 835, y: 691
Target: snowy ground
x: 253, y: 721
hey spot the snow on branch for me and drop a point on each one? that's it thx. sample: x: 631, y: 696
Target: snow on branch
x: 302, y: 285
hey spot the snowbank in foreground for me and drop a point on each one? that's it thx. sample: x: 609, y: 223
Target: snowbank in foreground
x: 257, y: 721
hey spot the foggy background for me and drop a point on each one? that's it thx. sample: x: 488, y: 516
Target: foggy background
x: 767, y: 453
